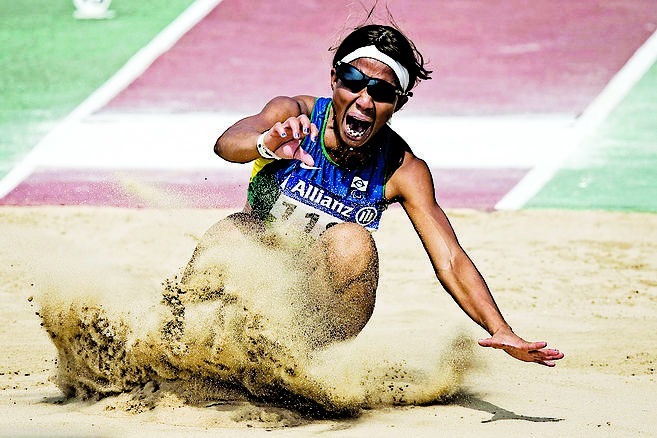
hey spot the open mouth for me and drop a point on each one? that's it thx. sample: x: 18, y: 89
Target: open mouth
x: 356, y: 128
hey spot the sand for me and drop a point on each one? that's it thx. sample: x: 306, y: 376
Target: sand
x: 585, y: 282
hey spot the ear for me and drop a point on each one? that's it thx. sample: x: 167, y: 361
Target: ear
x: 334, y: 79
x: 401, y: 101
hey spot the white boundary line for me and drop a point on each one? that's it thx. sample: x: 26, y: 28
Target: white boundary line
x: 615, y: 91
x: 153, y: 141
x: 121, y: 79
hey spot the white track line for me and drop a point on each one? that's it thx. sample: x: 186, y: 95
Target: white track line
x: 620, y: 85
x: 121, y: 79
x: 184, y: 141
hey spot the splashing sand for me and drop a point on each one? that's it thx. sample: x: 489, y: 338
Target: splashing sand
x: 226, y: 334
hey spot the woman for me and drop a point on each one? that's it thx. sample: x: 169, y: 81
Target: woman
x: 328, y: 168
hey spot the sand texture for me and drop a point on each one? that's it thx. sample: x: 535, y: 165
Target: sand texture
x: 100, y: 335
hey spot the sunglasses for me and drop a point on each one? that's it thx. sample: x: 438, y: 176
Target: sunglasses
x: 355, y: 80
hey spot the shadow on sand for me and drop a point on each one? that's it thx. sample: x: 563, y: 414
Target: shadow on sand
x: 471, y: 401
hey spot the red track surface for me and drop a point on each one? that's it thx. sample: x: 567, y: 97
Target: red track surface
x: 457, y: 188
x: 489, y: 57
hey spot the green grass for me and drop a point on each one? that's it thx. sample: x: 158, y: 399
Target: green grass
x: 616, y: 168
x: 50, y: 62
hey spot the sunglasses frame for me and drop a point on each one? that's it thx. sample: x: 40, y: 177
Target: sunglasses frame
x: 367, y: 83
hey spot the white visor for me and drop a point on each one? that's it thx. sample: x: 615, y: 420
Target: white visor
x: 374, y: 53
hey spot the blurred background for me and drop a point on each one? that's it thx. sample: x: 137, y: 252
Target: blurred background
x: 542, y: 104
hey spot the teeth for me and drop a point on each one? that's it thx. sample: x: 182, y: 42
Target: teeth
x: 356, y: 128
x: 353, y: 133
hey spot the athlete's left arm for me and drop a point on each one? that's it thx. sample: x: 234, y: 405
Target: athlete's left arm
x: 412, y: 184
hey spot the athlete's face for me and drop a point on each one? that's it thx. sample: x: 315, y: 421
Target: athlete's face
x: 357, y: 115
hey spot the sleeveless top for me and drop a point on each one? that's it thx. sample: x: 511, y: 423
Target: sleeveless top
x: 312, y: 199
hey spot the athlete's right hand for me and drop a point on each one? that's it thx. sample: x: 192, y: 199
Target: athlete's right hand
x: 285, y: 138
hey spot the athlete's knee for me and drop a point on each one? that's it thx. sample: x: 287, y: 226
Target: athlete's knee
x: 350, y: 251
x: 350, y: 241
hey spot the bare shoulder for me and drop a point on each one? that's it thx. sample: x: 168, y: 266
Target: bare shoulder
x: 278, y: 109
x: 306, y: 103
x: 283, y: 107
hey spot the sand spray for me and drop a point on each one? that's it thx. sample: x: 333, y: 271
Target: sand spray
x: 233, y: 331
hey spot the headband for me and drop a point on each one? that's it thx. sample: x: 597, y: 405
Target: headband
x: 374, y: 53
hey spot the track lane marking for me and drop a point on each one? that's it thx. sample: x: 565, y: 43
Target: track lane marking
x: 135, y: 67
x: 594, y: 115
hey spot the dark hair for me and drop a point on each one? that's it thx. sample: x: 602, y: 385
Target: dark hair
x: 388, y: 40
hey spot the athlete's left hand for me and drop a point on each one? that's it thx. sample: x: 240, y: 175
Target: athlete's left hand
x: 522, y: 350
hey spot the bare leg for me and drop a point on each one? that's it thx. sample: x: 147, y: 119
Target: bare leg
x: 344, y: 274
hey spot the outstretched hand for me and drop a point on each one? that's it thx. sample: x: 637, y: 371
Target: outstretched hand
x: 521, y: 349
x: 284, y: 138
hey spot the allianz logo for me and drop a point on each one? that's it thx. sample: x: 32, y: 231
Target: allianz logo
x: 305, y: 190
x: 318, y: 196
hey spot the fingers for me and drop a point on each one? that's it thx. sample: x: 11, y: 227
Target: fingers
x: 293, y: 150
x: 290, y: 134
x: 295, y: 128
x: 536, y: 345
x: 305, y: 157
x: 548, y: 357
x: 526, y: 351
x: 314, y: 132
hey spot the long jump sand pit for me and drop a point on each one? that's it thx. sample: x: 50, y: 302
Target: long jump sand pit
x: 171, y: 365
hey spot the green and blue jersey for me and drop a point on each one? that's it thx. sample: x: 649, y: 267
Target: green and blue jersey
x: 316, y: 198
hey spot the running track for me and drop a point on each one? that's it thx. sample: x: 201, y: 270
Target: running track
x: 532, y: 68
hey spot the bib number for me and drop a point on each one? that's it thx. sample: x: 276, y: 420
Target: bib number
x: 301, y: 216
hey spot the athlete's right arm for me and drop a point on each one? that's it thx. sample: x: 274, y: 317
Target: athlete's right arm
x: 286, y: 122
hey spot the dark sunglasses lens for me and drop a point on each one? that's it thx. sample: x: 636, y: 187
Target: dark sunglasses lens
x: 382, y: 92
x: 351, y: 77
x: 356, y: 80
